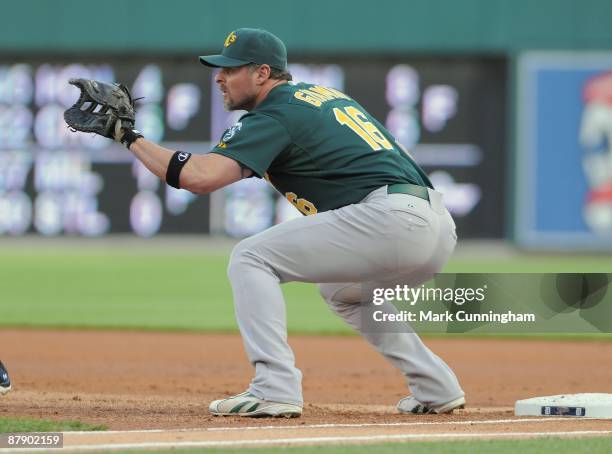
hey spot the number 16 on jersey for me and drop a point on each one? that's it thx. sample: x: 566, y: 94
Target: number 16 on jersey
x: 356, y: 120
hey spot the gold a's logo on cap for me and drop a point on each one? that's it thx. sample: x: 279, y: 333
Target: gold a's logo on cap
x: 231, y: 39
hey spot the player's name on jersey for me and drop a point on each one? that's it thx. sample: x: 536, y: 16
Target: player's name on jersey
x: 459, y: 316
x: 318, y: 95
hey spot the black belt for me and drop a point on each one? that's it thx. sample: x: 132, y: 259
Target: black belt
x: 410, y: 189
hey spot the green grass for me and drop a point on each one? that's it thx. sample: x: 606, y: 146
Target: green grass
x: 128, y: 288
x: 556, y: 445
x: 8, y: 425
x: 533, y: 264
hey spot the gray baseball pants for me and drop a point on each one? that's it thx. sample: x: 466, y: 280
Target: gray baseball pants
x: 383, y: 240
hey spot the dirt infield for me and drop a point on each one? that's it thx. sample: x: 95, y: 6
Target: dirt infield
x: 135, y: 381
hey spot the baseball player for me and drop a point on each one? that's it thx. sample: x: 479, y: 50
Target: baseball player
x: 372, y: 217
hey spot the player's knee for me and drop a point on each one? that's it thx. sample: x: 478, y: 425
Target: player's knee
x: 240, y: 257
x: 327, y: 291
x: 340, y: 293
x: 341, y: 299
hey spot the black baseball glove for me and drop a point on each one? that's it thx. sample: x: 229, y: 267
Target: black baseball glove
x: 103, y: 108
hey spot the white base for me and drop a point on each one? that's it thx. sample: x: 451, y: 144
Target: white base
x: 587, y: 405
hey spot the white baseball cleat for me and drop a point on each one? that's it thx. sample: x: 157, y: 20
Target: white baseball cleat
x: 411, y: 405
x: 246, y: 404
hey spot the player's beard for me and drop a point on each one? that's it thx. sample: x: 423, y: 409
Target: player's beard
x: 246, y: 103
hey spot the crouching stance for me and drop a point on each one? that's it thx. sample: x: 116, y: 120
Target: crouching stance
x: 372, y: 217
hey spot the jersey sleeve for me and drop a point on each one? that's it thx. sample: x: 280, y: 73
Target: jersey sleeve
x: 254, y: 142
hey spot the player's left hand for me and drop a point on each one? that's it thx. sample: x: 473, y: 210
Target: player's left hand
x: 103, y: 108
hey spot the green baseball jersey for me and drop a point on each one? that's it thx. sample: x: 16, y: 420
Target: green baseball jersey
x: 317, y: 147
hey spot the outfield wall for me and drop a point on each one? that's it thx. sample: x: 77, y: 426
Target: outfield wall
x: 458, y: 82
x: 316, y: 26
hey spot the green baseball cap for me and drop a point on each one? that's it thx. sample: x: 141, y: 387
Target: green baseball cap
x: 249, y: 45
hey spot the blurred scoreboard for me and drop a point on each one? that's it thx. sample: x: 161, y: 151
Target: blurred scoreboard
x: 449, y: 112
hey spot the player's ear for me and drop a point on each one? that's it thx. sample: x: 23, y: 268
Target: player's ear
x: 262, y: 74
